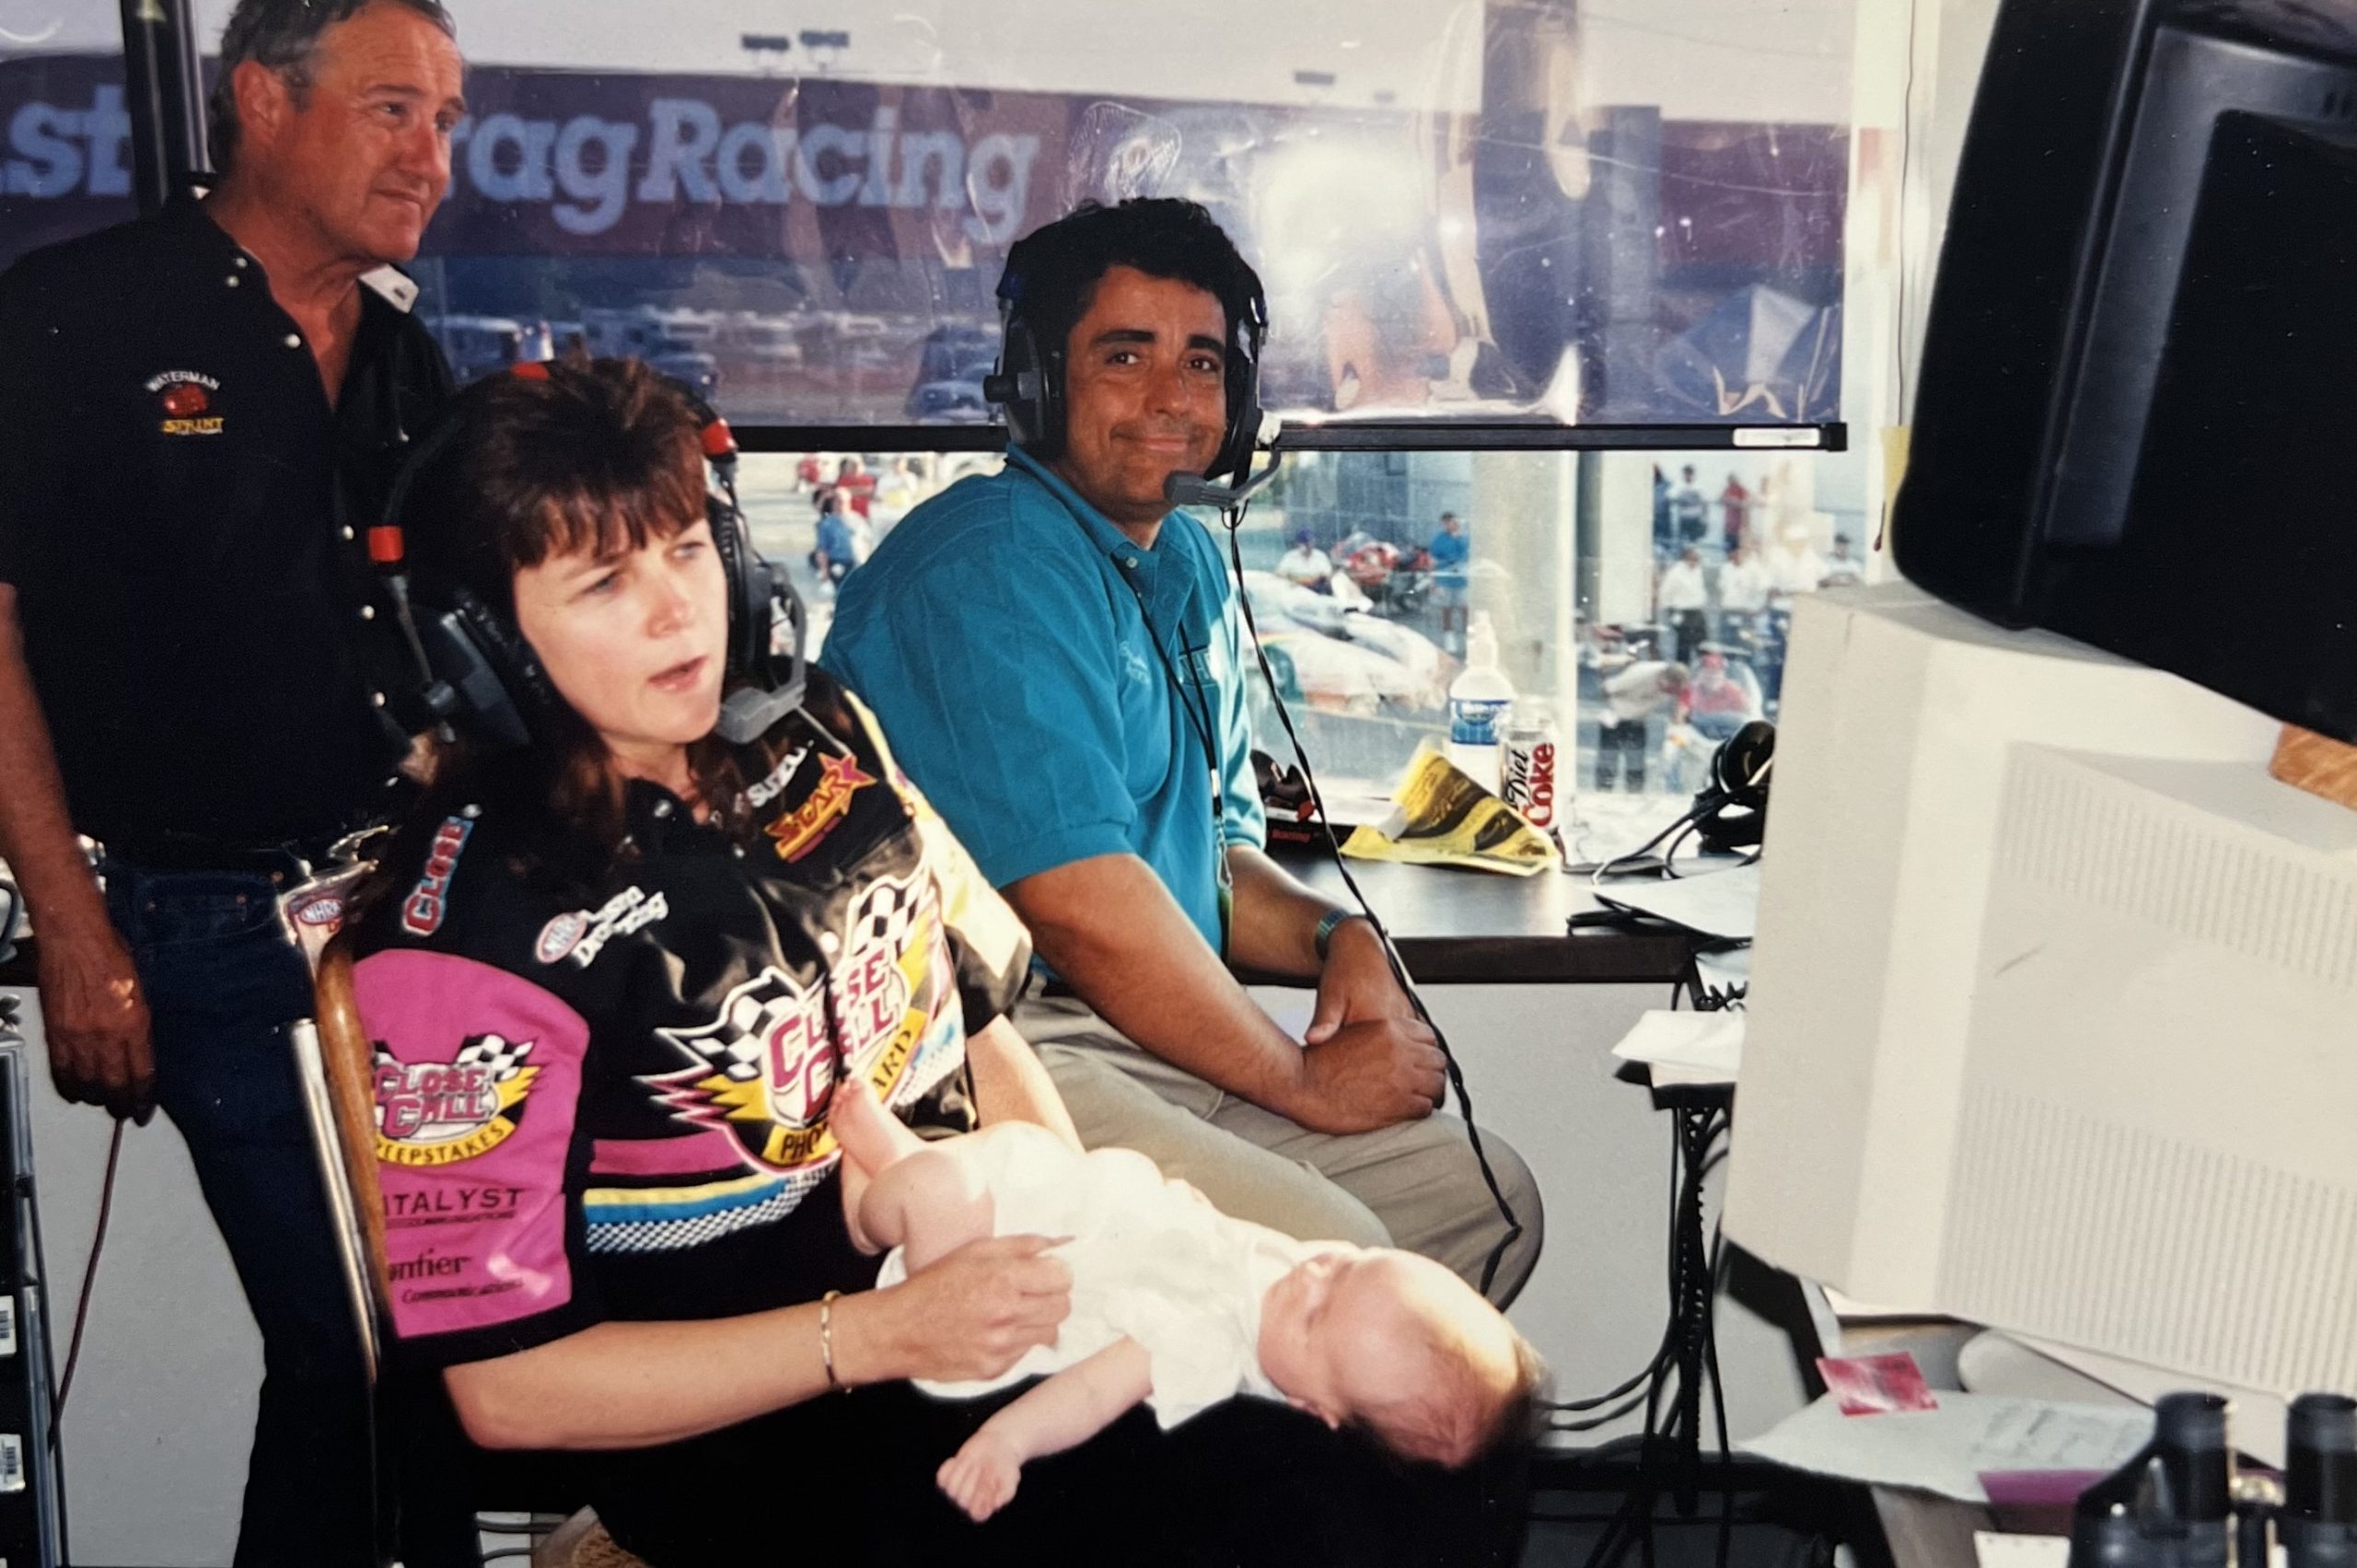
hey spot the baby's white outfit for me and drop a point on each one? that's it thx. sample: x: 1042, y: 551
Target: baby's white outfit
x: 1150, y: 1260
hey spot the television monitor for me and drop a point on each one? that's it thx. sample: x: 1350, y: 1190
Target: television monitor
x: 2136, y: 397
x: 2051, y: 1018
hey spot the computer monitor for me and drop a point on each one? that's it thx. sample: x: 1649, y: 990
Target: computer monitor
x: 2053, y: 1016
x: 2133, y: 412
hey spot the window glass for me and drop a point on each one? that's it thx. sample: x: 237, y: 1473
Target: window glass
x: 1462, y: 210
x: 65, y: 137
x: 1578, y: 564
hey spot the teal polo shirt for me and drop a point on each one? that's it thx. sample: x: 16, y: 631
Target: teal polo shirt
x: 1006, y: 634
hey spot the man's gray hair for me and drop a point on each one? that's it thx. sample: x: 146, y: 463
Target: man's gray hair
x: 284, y: 36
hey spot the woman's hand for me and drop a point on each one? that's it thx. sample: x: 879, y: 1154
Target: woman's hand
x: 969, y: 1316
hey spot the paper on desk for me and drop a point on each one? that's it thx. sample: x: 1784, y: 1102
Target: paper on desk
x: 1441, y: 817
x: 1716, y: 903
x: 1995, y: 1550
x: 1686, y: 1048
x: 1944, y: 1450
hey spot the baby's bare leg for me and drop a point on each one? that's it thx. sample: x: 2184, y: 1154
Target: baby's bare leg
x: 931, y: 1202
x: 900, y: 1190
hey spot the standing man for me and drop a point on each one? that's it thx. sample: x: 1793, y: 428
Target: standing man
x: 1743, y: 585
x: 203, y: 411
x: 1449, y: 550
x: 1058, y: 659
x: 1683, y: 602
x: 1690, y: 507
x: 1735, y: 507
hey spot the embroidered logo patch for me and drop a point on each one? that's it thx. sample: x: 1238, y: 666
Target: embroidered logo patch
x: 186, y: 399
x: 432, y: 1113
x: 421, y: 911
x: 763, y: 1066
x: 558, y: 936
x: 805, y: 827
x: 769, y: 788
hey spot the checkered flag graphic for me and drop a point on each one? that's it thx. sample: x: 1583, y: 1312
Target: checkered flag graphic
x: 503, y: 1057
x: 884, y: 914
x: 737, y: 1043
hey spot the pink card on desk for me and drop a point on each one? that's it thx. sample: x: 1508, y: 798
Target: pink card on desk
x: 1876, y: 1385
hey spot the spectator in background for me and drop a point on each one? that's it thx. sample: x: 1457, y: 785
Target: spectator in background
x: 1842, y: 567
x: 1449, y: 550
x: 1682, y: 601
x: 1723, y: 697
x: 857, y: 485
x: 1744, y: 585
x: 1735, y: 507
x: 1794, y: 566
x: 1688, y: 508
x: 1633, y: 699
x: 1307, y: 565
x: 1665, y: 530
x: 838, y: 550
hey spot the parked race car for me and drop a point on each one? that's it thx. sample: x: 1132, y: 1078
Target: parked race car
x: 1346, y: 660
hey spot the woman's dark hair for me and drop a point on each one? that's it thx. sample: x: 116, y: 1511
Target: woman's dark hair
x: 595, y: 455
x: 1053, y: 270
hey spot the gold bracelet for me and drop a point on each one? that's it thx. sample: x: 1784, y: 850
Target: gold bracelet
x: 826, y: 1339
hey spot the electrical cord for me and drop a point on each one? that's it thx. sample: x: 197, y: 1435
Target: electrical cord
x: 90, y: 1281
x: 1234, y: 520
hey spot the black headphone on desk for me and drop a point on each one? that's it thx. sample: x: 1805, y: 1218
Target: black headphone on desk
x: 478, y: 670
x: 1028, y: 381
x: 1731, y: 812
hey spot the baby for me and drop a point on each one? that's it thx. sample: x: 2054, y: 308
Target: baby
x: 1177, y: 1304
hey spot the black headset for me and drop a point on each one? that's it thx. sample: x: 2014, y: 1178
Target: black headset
x: 478, y: 670
x: 1731, y: 812
x: 1029, y: 379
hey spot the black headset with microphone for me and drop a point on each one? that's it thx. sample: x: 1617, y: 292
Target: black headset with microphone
x: 477, y: 671
x: 1029, y: 382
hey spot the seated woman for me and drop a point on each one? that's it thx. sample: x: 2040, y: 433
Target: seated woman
x: 608, y: 974
x: 1177, y: 1304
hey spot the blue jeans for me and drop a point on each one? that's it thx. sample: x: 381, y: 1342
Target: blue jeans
x: 223, y: 979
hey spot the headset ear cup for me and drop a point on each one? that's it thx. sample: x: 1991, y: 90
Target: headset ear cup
x: 508, y: 700
x: 1243, y: 432
x: 1030, y: 386
x: 750, y: 591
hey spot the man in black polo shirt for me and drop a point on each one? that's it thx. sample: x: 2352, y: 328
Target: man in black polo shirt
x: 200, y: 412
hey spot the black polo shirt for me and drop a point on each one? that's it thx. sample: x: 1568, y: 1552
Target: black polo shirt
x: 184, y: 518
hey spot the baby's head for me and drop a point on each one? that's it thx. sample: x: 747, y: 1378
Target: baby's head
x: 1398, y: 1344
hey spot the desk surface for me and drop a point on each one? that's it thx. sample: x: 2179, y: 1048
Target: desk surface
x: 1482, y: 927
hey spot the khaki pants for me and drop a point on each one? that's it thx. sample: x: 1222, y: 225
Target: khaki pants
x: 1416, y: 1185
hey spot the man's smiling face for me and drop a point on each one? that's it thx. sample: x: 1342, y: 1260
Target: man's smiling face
x: 1145, y: 392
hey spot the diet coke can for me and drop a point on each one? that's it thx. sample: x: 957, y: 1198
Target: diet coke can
x: 1529, y: 771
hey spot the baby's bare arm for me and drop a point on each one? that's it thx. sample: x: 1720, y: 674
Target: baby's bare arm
x: 1062, y: 1413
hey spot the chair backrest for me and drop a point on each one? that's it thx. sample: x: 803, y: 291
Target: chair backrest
x: 336, y: 1064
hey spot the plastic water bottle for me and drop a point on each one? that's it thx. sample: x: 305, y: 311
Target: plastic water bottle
x: 1478, y: 702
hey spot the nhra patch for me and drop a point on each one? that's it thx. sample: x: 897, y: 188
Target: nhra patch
x: 421, y: 911
x: 805, y: 827
x: 432, y: 1113
x: 186, y: 399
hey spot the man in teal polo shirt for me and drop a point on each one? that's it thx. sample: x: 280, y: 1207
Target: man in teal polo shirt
x: 1057, y: 658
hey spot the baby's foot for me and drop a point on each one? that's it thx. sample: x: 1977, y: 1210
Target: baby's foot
x: 981, y: 1475
x: 861, y: 1124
